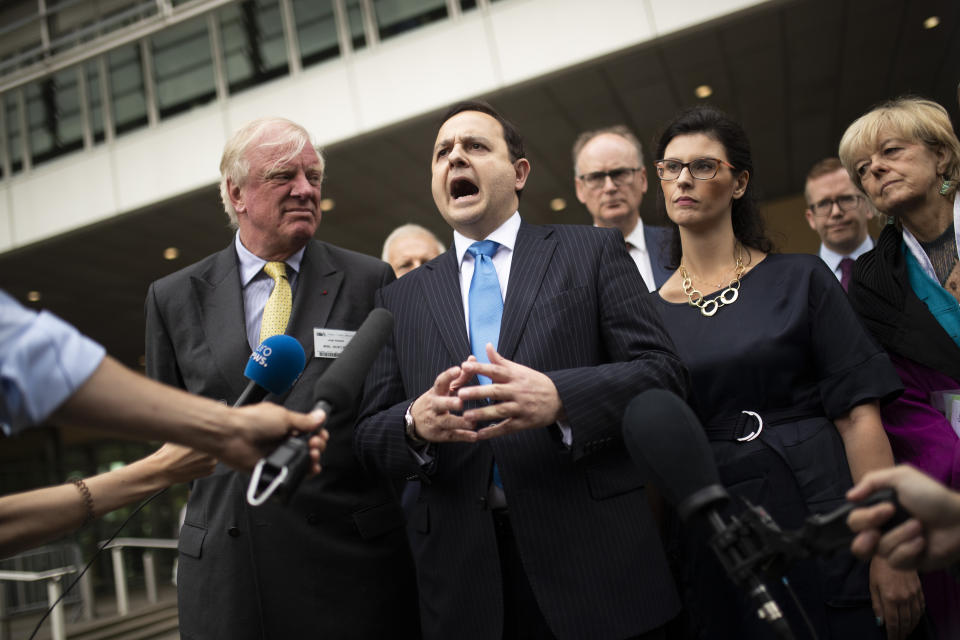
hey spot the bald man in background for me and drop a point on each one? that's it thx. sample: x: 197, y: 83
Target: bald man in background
x: 409, y: 246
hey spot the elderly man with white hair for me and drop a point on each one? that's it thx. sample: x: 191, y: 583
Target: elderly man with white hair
x: 334, y: 563
x: 409, y: 246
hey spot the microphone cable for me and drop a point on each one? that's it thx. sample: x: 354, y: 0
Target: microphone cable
x: 803, y: 612
x: 94, y: 557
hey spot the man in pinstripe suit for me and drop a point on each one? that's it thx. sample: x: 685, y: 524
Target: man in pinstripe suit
x: 532, y: 521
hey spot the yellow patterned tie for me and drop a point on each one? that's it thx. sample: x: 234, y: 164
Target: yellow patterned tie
x: 276, y: 312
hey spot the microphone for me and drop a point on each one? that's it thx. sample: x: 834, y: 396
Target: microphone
x: 667, y: 442
x: 336, y: 390
x: 272, y: 368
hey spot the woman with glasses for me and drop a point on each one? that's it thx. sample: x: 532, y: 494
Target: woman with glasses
x: 786, y: 383
x: 905, y: 156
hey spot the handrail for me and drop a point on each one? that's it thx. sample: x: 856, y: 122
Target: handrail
x: 54, y: 590
x: 116, y: 548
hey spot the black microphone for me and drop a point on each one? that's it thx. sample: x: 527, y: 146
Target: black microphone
x: 272, y: 368
x: 337, y: 389
x: 668, y: 444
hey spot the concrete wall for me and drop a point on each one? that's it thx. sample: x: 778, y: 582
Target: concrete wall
x: 482, y: 51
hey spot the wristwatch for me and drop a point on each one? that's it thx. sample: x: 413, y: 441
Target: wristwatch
x: 410, y: 427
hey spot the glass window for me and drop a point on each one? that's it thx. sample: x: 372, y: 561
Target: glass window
x: 397, y: 16
x: 126, y: 88
x: 358, y: 34
x: 14, y: 132
x: 182, y: 67
x: 94, y: 99
x: 20, y: 43
x: 316, y: 30
x: 72, y: 23
x: 54, y: 118
x: 254, y: 49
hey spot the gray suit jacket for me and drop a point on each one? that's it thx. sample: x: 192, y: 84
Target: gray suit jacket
x: 576, y: 309
x: 333, y: 563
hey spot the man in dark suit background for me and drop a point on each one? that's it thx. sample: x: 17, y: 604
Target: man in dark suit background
x: 532, y: 521
x: 335, y: 562
x: 610, y: 179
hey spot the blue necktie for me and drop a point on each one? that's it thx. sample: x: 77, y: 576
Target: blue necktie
x: 486, y: 303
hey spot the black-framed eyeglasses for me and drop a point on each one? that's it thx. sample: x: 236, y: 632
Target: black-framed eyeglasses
x: 621, y: 176
x: 700, y: 168
x: 824, y: 208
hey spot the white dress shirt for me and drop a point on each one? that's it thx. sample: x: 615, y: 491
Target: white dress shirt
x: 506, y: 236
x: 832, y: 258
x: 637, y: 246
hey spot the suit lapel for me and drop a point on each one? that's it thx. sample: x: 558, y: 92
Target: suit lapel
x: 531, y: 256
x: 318, y: 283
x: 655, y: 239
x: 441, y: 290
x: 220, y: 305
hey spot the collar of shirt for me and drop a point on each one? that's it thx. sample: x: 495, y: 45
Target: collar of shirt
x: 637, y: 247
x: 257, y: 286
x: 636, y: 239
x: 832, y: 258
x: 506, y: 236
x: 251, y: 264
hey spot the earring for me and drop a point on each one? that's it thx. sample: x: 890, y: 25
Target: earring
x: 945, y: 186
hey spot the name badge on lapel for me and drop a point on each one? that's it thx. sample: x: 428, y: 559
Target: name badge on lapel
x: 330, y: 343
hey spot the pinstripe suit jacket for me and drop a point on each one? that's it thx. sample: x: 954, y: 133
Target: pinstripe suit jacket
x: 576, y: 309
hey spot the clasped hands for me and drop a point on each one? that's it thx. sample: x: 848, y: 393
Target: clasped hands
x: 520, y: 398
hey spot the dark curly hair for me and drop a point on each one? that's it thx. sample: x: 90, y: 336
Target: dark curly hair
x: 748, y: 225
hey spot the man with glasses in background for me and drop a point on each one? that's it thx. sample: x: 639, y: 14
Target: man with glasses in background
x: 839, y: 213
x: 611, y: 180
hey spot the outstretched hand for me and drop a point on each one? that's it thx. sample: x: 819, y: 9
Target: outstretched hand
x: 176, y: 463
x: 929, y: 540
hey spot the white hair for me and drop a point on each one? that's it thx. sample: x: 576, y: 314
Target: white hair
x: 234, y: 166
x: 409, y: 230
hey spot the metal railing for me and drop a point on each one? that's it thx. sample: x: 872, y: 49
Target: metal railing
x: 149, y: 569
x: 52, y: 578
x: 24, y: 578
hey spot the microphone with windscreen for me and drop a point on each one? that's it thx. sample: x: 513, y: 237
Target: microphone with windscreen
x: 668, y: 444
x: 273, y: 367
x: 337, y: 390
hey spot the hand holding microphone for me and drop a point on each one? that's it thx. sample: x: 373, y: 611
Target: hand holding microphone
x: 928, y: 540
x: 668, y: 444
x: 337, y: 390
x: 257, y: 426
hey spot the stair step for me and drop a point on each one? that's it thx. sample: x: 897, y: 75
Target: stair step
x: 156, y: 630
x: 146, y: 622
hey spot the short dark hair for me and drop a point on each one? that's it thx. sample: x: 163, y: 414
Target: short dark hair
x: 511, y: 135
x: 821, y: 168
x: 748, y: 225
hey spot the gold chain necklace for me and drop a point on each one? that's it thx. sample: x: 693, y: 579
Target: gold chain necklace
x: 728, y: 297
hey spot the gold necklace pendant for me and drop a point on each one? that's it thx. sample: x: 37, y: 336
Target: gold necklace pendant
x: 727, y: 297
